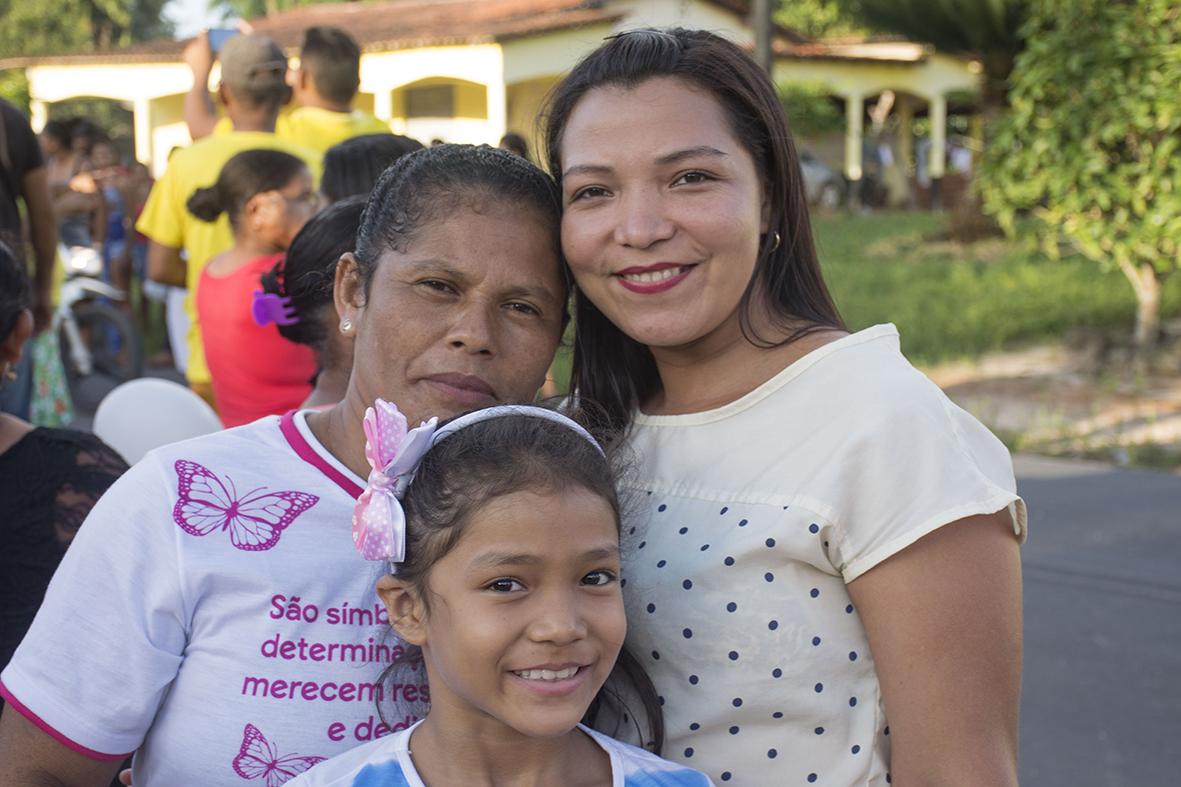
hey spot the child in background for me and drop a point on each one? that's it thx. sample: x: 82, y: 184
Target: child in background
x: 502, y: 527
x: 301, y: 288
x: 268, y: 196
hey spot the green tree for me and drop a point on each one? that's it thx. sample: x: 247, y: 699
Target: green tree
x: 987, y: 31
x: 1091, y: 144
x: 252, y: 9
x: 818, y: 18
x: 810, y: 109
x: 39, y: 27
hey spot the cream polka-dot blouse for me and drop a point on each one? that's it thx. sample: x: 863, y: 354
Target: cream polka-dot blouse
x: 748, y: 522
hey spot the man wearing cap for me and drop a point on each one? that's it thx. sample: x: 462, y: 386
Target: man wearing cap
x: 324, y: 88
x: 253, y: 88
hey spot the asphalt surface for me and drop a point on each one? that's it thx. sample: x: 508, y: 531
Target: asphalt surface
x: 1101, y: 700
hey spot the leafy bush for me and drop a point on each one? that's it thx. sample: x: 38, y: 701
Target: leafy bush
x: 1091, y: 145
x: 811, y: 110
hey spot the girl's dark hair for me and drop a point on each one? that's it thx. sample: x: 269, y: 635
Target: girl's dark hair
x: 491, y: 459
x: 429, y: 183
x: 246, y: 174
x: 352, y: 167
x: 307, y: 273
x: 14, y: 289
x: 614, y: 370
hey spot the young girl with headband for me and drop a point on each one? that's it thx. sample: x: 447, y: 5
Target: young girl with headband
x: 502, y: 529
x: 268, y: 196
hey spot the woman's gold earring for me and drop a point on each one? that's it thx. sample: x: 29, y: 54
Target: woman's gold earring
x: 346, y: 325
x: 10, y: 374
x: 775, y: 244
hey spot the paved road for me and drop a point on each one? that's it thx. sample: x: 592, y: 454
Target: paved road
x: 1101, y: 703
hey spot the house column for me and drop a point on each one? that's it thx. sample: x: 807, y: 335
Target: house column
x: 141, y: 114
x: 383, y: 104
x: 38, y: 114
x: 905, y: 136
x: 938, y: 115
x: 976, y: 133
x: 938, y: 159
x: 854, y: 116
x: 497, y: 110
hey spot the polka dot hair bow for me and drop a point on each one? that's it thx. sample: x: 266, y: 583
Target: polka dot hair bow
x: 393, y: 451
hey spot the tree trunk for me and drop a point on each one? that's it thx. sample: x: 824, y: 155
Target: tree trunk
x: 1147, y: 284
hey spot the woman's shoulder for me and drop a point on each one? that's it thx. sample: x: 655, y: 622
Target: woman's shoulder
x: 862, y: 379
x: 64, y: 451
x: 633, y: 765
x: 252, y: 445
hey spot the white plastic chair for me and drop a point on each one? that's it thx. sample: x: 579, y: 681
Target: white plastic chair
x: 148, y: 412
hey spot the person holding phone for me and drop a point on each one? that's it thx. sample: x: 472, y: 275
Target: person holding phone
x: 253, y: 88
x: 324, y: 87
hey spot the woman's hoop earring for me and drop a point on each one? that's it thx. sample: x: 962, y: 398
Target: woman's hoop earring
x: 775, y: 243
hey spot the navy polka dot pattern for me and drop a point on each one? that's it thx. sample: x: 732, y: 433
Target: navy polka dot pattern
x: 754, y: 653
x: 798, y: 488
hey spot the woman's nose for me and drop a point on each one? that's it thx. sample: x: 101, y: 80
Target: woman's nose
x: 473, y: 329
x: 641, y: 221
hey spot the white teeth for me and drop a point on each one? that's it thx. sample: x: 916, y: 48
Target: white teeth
x: 651, y: 277
x: 547, y: 674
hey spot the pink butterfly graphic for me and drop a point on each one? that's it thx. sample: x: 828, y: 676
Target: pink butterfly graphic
x: 258, y: 759
x: 255, y: 521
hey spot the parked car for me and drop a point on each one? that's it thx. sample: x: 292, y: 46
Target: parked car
x: 824, y: 186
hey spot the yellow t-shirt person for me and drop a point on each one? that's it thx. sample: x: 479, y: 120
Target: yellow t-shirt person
x: 318, y: 128
x: 166, y: 220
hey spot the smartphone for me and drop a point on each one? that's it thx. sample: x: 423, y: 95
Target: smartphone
x: 218, y: 37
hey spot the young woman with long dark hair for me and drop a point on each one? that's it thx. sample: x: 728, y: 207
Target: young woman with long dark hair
x: 828, y: 587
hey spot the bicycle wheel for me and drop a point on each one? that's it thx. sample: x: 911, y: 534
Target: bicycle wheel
x: 115, y: 348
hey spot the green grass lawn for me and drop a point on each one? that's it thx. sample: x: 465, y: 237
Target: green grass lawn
x: 951, y: 301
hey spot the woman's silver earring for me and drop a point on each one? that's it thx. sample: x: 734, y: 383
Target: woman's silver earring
x: 346, y: 325
x: 775, y: 243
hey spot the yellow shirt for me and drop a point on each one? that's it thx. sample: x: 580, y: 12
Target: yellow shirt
x: 319, y: 129
x: 166, y: 220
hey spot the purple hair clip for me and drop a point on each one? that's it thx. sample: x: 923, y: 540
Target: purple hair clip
x: 268, y: 307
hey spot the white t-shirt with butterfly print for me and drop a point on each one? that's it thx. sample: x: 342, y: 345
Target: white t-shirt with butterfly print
x: 213, y: 617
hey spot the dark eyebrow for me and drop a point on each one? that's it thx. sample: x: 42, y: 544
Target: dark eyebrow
x: 666, y: 159
x: 681, y: 155
x: 499, y: 559
x: 440, y: 267
x: 444, y: 269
